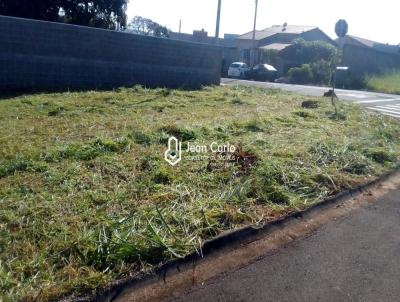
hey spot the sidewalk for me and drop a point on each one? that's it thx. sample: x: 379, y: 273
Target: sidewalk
x: 353, y: 258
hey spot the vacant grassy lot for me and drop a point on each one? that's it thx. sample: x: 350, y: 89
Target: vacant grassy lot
x: 86, y: 197
x: 388, y: 83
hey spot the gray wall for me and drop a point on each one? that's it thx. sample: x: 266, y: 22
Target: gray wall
x: 363, y: 60
x: 41, y: 55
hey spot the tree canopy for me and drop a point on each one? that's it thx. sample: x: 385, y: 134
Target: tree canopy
x: 96, y: 13
x: 147, y: 27
x: 305, y: 52
x: 316, y: 61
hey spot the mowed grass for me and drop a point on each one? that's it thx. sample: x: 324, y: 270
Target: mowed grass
x: 86, y: 197
x: 388, y: 83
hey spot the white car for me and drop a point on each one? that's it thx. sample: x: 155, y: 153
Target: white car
x: 238, y: 70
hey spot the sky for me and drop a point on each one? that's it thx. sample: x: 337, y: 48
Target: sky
x: 370, y: 19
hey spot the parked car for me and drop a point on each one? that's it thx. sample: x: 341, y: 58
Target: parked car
x: 238, y: 70
x: 263, y: 72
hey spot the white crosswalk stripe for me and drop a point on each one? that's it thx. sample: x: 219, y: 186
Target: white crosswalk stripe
x: 377, y: 101
x: 386, y: 106
x: 390, y: 110
x: 390, y: 106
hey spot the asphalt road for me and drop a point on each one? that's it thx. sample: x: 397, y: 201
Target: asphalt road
x: 388, y: 104
x: 353, y: 258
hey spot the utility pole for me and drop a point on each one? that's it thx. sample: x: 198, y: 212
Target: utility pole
x: 218, y: 21
x: 253, y: 50
x: 180, y: 25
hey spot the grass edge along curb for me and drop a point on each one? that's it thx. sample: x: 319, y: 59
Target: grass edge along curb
x: 231, y: 239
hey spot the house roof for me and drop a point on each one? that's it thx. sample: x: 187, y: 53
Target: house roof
x: 277, y: 29
x: 275, y: 46
x: 394, y: 49
x: 364, y: 42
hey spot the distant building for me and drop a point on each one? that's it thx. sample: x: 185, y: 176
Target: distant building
x: 361, y: 42
x: 230, y: 52
x: 365, y: 56
x: 277, y: 37
x: 231, y: 36
x: 201, y: 36
x: 238, y: 47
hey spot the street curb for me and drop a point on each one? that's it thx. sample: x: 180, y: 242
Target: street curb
x: 229, y: 239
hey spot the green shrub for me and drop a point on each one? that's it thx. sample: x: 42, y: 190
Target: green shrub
x: 306, y: 52
x: 316, y: 73
x: 301, y: 75
x: 315, y: 59
x: 322, y: 72
x: 349, y: 80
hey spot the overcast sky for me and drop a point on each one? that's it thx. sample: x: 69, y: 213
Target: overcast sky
x: 371, y: 19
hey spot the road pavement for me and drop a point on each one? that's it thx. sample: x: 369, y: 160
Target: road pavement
x: 353, y: 258
x: 388, y: 104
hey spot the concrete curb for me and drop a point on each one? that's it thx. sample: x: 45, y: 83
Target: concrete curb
x: 229, y: 239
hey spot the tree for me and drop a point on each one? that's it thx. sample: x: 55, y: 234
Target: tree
x: 147, y: 27
x: 304, y: 52
x: 97, y: 13
x: 316, y: 58
x: 34, y: 9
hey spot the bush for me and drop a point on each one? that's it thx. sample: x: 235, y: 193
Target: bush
x: 322, y: 72
x: 306, y: 52
x: 349, y: 80
x: 316, y: 73
x: 301, y: 75
x: 316, y: 59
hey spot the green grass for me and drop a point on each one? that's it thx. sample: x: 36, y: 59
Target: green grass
x: 86, y: 197
x: 388, y: 83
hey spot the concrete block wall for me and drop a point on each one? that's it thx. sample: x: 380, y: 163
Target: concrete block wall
x: 43, y: 55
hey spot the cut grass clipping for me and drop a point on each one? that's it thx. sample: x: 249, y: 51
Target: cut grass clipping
x: 86, y: 196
